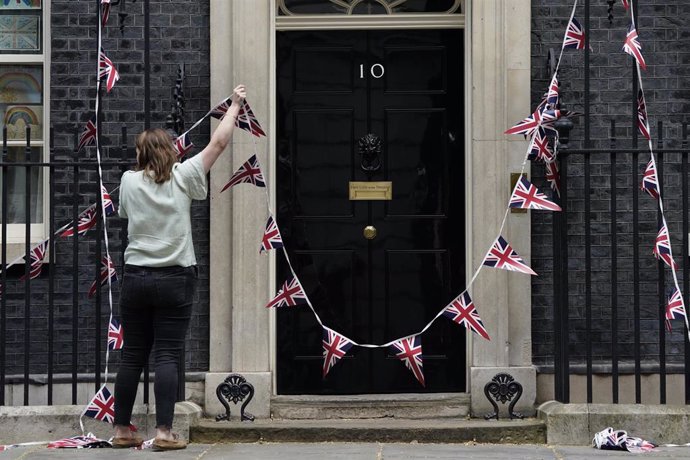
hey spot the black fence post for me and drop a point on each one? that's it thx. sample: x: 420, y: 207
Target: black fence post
x: 52, y: 260
x: 75, y: 267
x: 3, y: 285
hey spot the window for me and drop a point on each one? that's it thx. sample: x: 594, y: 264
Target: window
x: 24, y: 64
x: 299, y: 7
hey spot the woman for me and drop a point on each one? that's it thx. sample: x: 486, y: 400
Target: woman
x: 160, y: 269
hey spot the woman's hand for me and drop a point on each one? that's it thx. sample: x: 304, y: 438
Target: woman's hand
x: 238, y: 94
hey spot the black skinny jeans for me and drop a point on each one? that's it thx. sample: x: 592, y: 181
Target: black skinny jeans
x: 155, y: 306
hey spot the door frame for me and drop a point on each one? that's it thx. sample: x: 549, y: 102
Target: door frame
x: 374, y: 22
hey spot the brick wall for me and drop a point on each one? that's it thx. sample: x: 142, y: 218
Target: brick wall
x: 665, y: 36
x: 179, y: 35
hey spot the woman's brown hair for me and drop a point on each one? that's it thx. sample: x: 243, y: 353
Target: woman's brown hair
x: 155, y: 154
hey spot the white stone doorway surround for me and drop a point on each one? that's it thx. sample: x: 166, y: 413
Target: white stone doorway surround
x: 497, y: 63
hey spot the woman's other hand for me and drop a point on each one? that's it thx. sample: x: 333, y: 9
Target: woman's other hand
x: 238, y: 94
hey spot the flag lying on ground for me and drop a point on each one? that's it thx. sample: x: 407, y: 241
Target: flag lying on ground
x: 107, y: 272
x: 248, y: 173
x: 462, y: 311
x: 102, y: 406
x: 115, y: 336
x: 409, y: 351
x: 632, y: 46
x: 37, y: 254
x: 501, y: 255
x: 527, y: 196
x: 87, y: 221
x: 271, y: 238
x: 79, y: 442
x: 289, y: 295
x: 335, y: 346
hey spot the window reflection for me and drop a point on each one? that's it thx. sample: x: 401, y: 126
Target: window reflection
x: 16, y: 187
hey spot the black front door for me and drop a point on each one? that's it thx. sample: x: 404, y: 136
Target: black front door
x: 405, y: 88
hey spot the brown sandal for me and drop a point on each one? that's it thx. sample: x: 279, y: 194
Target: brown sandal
x: 164, y: 444
x: 125, y: 443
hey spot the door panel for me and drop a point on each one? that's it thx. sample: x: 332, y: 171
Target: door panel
x: 406, y: 88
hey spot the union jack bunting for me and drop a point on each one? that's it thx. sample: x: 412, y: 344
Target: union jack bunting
x: 527, y: 196
x: 462, y: 311
x: 115, y: 336
x: 554, y: 177
x: 650, y: 183
x: 107, y: 70
x: 88, y: 136
x: 247, y: 121
x: 662, y: 247
x: 335, y: 346
x: 409, y: 351
x: 632, y: 46
x: 105, y: 5
x: 183, y: 145
x: 541, y: 149
x: 552, y: 94
x: 221, y: 109
x: 675, y: 308
x: 626, y: 5
x: 87, y: 221
x: 642, y: 120
x: 108, y: 205
x: 107, y: 272
x: 248, y: 173
x: 289, y: 295
x: 37, y: 254
x: 79, y: 442
x: 503, y: 256
x: 540, y: 117
x: 574, y: 36
x: 102, y: 406
x: 271, y: 238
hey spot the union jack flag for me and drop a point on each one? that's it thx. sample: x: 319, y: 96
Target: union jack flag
x: 108, y: 205
x: 409, y: 351
x: 105, y: 4
x: 183, y: 145
x: 78, y: 442
x: 552, y: 94
x: 626, y: 5
x: 662, y: 247
x: 574, y: 36
x: 271, y: 238
x: 675, y: 308
x: 335, y: 346
x: 462, y: 311
x: 221, y: 109
x: 540, y: 117
x: 527, y: 196
x: 247, y: 121
x: 107, y: 70
x: 541, y: 147
x: 87, y: 221
x: 249, y: 173
x: 642, y: 120
x: 503, y: 256
x: 102, y: 406
x: 37, y: 254
x: 554, y: 176
x: 115, y: 336
x: 88, y: 136
x: 289, y: 295
x: 632, y: 47
x: 650, y: 183
x: 107, y: 272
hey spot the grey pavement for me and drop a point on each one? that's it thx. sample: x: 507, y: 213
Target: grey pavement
x: 347, y: 451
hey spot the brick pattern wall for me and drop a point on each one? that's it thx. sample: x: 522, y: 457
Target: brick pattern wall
x: 179, y: 35
x: 665, y: 36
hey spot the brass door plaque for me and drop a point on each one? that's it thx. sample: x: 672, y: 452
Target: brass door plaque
x: 371, y: 190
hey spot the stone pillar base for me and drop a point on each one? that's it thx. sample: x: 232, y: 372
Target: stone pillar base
x: 259, y: 406
x: 526, y: 376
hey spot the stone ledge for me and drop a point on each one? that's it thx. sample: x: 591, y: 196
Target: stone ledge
x: 529, y: 431
x: 576, y: 424
x: 49, y: 423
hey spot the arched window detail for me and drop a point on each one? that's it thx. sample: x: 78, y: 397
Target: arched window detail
x: 369, y: 7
